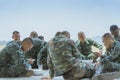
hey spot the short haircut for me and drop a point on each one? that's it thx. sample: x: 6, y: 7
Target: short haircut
x: 41, y: 37
x: 79, y: 33
x: 27, y: 39
x: 108, y: 35
x: 33, y: 34
x: 113, y: 27
x: 15, y: 32
x: 65, y: 33
x: 58, y: 33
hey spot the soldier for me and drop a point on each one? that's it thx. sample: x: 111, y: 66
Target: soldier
x: 42, y: 38
x: 84, y: 45
x: 33, y: 34
x: 110, y: 61
x: 37, y: 45
x: 12, y: 60
x: 42, y: 56
x: 64, y: 59
x: 15, y: 37
x: 115, y: 32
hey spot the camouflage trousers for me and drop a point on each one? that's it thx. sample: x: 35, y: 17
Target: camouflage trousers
x: 79, y: 70
x: 108, y: 67
x: 111, y: 67
x: 11, y: 72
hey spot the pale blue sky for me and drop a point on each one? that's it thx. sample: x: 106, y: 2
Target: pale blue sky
x: 49, y: 16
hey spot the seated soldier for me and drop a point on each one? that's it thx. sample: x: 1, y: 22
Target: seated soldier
x: 110, y: 61
x: 15, y: 37
x: 115, y: 32
x: 37, y: 45
x: 64, y: 59
x: 42, y: 55
x: 12, y: 60
x: 84, y: 46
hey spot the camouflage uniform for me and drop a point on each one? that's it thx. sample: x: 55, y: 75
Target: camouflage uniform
x: 13, y: 42
x: 42, y: 57
x: 111, y: 59
x: 33, y: 53
x: 64, y: 59
x: 12, y: 61
x: 86, y: 48
x: 117, y: 38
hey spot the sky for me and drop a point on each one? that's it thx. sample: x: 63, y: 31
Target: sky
x: 93, y: 17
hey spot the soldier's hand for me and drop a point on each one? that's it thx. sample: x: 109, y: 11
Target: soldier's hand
x: 30, y: 61
x: 97, y: 64
x: 98, y: 54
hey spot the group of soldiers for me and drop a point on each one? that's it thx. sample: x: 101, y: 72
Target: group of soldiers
x: 61, y: 55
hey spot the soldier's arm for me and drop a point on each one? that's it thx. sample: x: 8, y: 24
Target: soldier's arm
x: 94, y: 43
x: 50, y: 65
x: 75, y: 50
x: 77, y: 43
x: 112, y: 55
x: 42, y: 56
x: 18, y: 57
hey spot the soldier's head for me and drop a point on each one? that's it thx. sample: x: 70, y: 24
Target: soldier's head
x: 16, y: 36
x: 108, y: 40
x: 41, y: 37
x: 66, y: 33
x: 81, y: 36
x: 114, y: 29
x: 33, y: 34
x: 58, y: 33
x: 27, y: 44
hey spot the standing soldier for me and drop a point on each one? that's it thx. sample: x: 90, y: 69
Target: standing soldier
x: 84, y: 46
x: 115, y: 32
x: 12, y: 59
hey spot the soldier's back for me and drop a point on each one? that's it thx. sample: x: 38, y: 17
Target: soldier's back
x: 60, y: 51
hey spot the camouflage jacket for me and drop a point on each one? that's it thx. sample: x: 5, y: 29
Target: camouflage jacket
x: 86, y: 47
x: 37, y: 45
x: 113, y: 55
x: 42, y: 56
x: 62, y: 54
x: 12, y: 58
x: 13, y: 42
x: 117, y: 38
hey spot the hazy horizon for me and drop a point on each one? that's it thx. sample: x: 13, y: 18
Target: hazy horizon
x: 94, y: 17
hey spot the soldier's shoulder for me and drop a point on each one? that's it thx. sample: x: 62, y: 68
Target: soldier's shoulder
x: 70, y: 41
x: 10, y: 42
x: 117, y: 38
x: 89, y: 39
x: 117, y: 44
x: 77, y: 42
x: 13, y: 45
x: 37, y: 41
